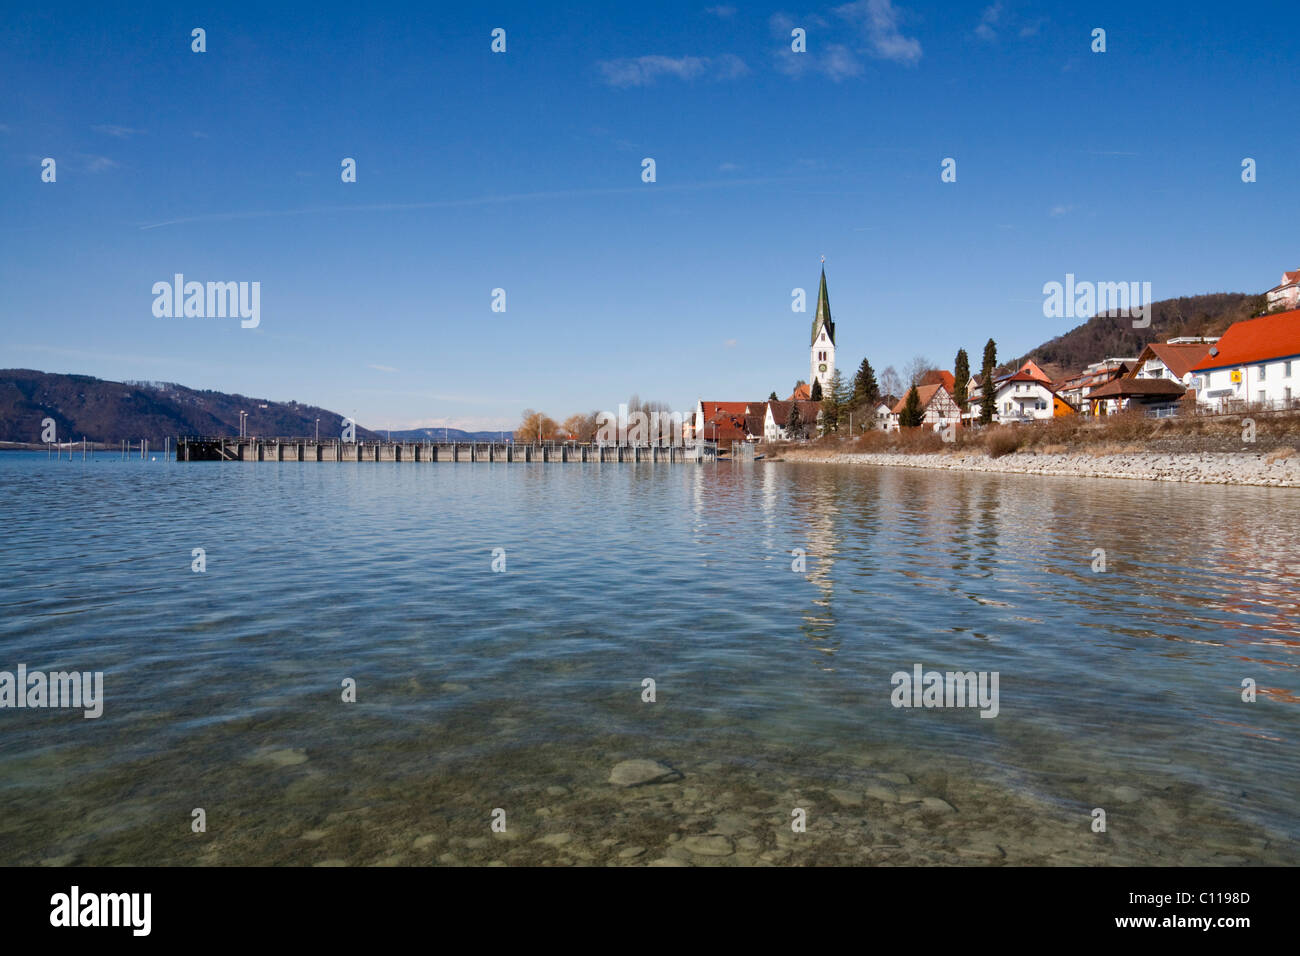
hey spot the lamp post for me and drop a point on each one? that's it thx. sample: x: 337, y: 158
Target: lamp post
x: 318, y: 430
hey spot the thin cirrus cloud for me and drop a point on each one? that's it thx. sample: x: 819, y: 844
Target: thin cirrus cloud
x: 994, y: 20
x: 646, y: 70
x: 98, y: 164
x: 877, y: 35
x: 721, y: 12
x: 120, y: 132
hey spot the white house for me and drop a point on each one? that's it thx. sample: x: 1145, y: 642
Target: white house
x: 776, y: 418
x: 1255, y: 363
x: 1023, y: 398
x: 1286, y: 294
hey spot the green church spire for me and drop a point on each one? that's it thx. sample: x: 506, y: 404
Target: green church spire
x: 823, y: 316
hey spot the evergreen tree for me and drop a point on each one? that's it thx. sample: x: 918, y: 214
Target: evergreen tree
x: 816, y: 395
x: 865, y: 389
x: 794, y: 427
x: 961, y: 372
x: 835, y: 401
x: 988, y: 405
x: 772, y: 397
x: 911, y: 416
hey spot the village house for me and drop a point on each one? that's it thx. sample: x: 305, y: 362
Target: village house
x: 937, y: 407
x: 1077, y: 389
x: 883, y: 412
x: 1025, y: 397
x: 776, y: 418
x: 1286, y: 294
x: 1029, y: 372
x: 722, y: 422
x: 1255, y: 363
x: 1155, y: 395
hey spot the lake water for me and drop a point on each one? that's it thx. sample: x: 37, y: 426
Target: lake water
x: 520, y: 690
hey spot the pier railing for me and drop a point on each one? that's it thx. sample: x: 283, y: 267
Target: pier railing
x: 221, y: 448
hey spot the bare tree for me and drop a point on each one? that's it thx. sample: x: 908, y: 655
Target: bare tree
x: 916, y: 369
x: 536, y: 427
x: 890, y: 383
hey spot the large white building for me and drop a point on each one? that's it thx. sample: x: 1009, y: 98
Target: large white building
x: 1255, y: 363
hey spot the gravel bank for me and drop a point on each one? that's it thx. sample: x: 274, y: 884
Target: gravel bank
x: 1211, y: 468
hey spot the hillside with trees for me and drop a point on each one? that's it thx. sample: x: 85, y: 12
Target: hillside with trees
x: 111, y: 412
x: 1109, y: 335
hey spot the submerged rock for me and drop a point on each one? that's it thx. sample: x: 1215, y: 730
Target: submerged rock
x: 636, y: 773
x: 714, y: 844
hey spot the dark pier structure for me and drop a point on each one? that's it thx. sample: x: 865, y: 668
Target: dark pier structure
x: 307, y: 449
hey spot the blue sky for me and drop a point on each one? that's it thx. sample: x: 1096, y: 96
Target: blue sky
x: 522, y: 171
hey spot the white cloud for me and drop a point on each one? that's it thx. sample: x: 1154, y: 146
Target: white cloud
x: 880, y: 20
x: 833, y: 60
x: 97, y: 164
x: 645, y: 70
x: 988, y: 21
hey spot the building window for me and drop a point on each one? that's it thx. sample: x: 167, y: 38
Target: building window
x: 1286, y: 370
x: 1263, y: 369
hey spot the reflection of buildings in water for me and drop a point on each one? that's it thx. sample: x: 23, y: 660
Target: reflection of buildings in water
x: 819, y: 517
x: 1259, y: 584
x: 768, y: 497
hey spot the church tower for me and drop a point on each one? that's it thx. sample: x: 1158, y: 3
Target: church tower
x: 822, y: 358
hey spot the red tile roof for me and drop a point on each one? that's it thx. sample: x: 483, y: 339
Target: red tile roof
x: 925, y: 393
x: 802, y: 393
x: 1255, y: 340
x: 939, y: 377
x: 1179, y: 359
x: 713, y: 410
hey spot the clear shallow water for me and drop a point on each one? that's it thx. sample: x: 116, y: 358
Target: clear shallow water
x: 522, y: 690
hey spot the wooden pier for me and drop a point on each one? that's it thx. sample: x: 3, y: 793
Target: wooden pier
x: 307, y: 449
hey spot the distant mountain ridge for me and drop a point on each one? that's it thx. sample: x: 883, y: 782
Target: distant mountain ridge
x: 105, y: 411
x: 446, y: 434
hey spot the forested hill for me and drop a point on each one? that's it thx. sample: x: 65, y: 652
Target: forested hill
x: 1111, y: 336
x: 113, y: 411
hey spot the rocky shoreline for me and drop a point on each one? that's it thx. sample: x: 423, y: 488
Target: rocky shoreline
x: 1211, y: 468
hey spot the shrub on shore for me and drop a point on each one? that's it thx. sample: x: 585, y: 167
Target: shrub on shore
x: 1002, y: 440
